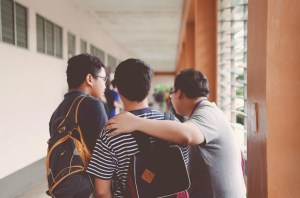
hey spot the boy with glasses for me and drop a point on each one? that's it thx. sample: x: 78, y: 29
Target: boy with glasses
x: 86, y: 77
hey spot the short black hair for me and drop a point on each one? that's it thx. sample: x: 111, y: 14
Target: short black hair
x: 81, y: 65
x: 192, y: 83
x: 133, y: 79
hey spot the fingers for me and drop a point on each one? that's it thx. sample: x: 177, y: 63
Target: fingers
x: 114, y: 132
x: 109, y: 126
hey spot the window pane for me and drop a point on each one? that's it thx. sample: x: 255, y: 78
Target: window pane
x: 7, y: 21
x: 92, y: 50
x: 112, y: 63
x: 21, y: 19
x: 40, y: 31
x: 71, y: 45
x: 101, y: 55
x: 83, y: 46
x: 50, y: 37
x: 232, y: 63
x: 98, y: 53
x: 58, y: 41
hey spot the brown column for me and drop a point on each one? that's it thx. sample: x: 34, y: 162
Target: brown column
x: 273, y: 98
x: 190, y: 45
x: 256, y: 91
x: 206, y: 41
x: 182, y: 60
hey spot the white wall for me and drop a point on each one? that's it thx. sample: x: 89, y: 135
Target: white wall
x: 33, y: 84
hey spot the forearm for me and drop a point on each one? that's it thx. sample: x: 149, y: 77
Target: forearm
x: 181, y: 133
x: 102, y: 188
x: 165, y: 129
x: 108, y: 195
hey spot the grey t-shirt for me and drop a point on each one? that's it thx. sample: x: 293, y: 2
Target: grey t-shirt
x: 215, y: 166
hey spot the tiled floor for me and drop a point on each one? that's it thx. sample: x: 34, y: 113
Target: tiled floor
x: 38, y: 190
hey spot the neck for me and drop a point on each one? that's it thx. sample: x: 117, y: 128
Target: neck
x: 81, y: 88
x: 134, y: 105
x: 193, y: 103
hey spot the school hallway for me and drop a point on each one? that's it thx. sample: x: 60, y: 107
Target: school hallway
x: 37, y: 190
x: 249, y: 51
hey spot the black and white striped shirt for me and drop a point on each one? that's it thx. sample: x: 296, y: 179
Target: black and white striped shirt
x: 111, y: 156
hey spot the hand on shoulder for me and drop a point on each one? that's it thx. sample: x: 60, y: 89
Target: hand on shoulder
x: 125, y: 122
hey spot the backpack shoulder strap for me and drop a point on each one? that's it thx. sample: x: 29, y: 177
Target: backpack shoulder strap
x: 72, y: 114
x: 143, y: 139
x: 73, y: 111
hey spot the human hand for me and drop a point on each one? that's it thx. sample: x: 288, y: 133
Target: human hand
x: 124, y: 122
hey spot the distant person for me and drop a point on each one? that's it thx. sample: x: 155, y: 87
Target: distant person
x: 111, y: 157
x: 86, y: 77
x: 215, y: 159
x: 113, y: 100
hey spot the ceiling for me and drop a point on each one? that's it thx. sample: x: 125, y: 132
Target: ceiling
x: 149, y: 29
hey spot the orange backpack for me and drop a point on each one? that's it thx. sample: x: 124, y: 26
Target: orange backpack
x: 68, y: 155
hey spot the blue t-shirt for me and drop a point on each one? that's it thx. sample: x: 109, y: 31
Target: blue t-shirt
x: 91, y: 116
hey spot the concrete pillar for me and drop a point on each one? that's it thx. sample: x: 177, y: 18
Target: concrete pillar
x: 273, y: 98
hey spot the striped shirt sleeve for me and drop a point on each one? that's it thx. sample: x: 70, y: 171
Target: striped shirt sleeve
x: 103, y: 162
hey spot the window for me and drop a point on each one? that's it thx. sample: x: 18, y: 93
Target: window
x: 98, y: 53
x: 13, y: 23
x: 232, y: 64
x: 71, y: 45
x: 83, y: 46
x: 58, y: 41
x: 49, y: 37
x: 111, y: 63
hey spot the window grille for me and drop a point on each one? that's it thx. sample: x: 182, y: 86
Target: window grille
x: 21, y: 25
x: 49, y: 37
x: 83, y: 46
x: 58, y: 41
x: 111, y: 63
x: 232, y: 64
x: 13, y: 24
x: 98, y: 53
x: 71, y: 45
x: 40, y: 28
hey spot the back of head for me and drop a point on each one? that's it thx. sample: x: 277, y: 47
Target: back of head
x: 133, y: 79
x: 80, y: 66
x: 192, y: 83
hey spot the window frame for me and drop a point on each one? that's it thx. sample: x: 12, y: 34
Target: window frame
x: 109, y: 64
x: 98, y: 53
x: 86, y: 46
x: 232, y: 63
x: 14, y: 26
x: 45, y: 34
x: 73, y: 36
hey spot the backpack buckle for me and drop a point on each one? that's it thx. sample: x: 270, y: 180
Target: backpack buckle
x: 62, y: 129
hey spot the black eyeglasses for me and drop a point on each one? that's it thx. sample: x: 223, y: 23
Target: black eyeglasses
x: 171, y: 92
x: 104, y: 78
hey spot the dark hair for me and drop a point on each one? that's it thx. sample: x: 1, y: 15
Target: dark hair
x: 192, y: 83
x: 81, y: 65
x: 133, y: 79
x: 113, y: 83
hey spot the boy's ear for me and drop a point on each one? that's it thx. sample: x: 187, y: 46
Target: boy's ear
x: 89, y: 79
x: 180, y: 94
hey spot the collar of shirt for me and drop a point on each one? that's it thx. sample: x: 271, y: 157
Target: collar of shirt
x: 75, y: 94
